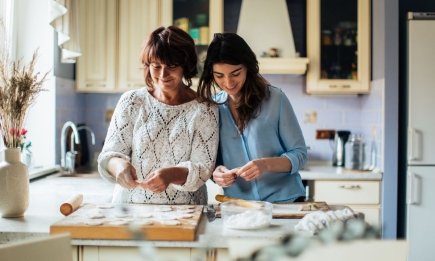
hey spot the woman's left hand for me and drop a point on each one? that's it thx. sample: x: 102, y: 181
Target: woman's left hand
x: 157, y: 182
x: 252, y: 170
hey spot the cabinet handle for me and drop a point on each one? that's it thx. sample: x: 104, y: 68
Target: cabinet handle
x: 352, y: 187
x: 414, y: 189
x: 95, y: 85
x: 343, y: 86
x: 413, y: 144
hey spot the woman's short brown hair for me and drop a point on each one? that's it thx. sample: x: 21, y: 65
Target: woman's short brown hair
x: 170, y: 46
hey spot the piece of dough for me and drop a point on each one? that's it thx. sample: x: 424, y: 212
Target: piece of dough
x: 170, y: 222
x: 185, y: 216
x: 105, y: 206
x: 94, y: 222
x: 144, y: 222
x: 95, y: 215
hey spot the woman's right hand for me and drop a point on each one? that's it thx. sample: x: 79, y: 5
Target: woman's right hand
x: 123, y: 171
x: 224, y: 177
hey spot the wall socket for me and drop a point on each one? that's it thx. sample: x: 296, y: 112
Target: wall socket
x: 108, y: 115
x: 325, y: 134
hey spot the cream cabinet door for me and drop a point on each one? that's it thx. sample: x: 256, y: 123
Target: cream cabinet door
x: 133, y: 254
x: 338, y: 46
x: 137, y: 18
x: 96, y: 66
x: 361, y: 196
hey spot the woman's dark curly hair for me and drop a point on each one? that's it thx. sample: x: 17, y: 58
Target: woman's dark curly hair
x: 170, y: 46
x: 232, y: 49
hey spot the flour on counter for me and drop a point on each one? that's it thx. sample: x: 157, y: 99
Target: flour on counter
x: 250, y: 219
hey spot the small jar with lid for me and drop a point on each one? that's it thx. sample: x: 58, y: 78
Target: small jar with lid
x: 355, y: 152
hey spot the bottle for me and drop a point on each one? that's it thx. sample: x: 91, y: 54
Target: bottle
x: 373, y: 151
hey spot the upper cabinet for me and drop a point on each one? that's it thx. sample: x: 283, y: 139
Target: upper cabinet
x: 338, y: 46
x: 201, y: 19
x: 205, y: 17
x: 98, y: 26
x: 112, y: 33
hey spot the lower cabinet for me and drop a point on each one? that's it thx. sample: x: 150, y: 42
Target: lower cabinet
x: 361, y: 196
x: 106, y: 253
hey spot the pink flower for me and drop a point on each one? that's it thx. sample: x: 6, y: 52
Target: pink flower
x: 23, y: 132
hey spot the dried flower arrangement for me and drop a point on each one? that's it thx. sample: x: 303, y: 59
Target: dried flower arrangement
x: 19, y: 87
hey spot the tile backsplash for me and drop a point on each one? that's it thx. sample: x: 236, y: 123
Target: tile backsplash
x: 358, y: 113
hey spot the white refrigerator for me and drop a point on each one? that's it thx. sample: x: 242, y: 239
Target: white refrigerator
x: 420, y: 224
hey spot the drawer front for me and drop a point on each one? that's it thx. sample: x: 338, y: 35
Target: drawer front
x: 347, y: 192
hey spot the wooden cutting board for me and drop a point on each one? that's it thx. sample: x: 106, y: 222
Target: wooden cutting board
x: 153, y: 222
x: 292, y: 210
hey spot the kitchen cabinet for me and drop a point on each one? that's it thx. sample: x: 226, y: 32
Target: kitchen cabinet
x: 174, y: 10
x: 201, y: 19
x: 338, y: 47
x: 115, y: 253
x: 360, y: 195
x: 112, y: 33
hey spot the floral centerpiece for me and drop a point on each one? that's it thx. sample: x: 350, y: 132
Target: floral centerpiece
x: 19, y: 87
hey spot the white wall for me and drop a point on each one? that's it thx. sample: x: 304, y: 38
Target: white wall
x: 34, y: 31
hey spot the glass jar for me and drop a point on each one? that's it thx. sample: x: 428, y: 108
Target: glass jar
x: 355, y: 152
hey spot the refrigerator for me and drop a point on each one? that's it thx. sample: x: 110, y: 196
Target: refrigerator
x: 420, y: 181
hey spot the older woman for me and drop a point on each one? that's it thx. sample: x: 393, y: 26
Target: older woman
x: 162, y: 143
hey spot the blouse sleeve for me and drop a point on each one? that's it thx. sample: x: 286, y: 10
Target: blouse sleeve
x: 203, y: 151
x: 119, y: 135
x: 291, y: 135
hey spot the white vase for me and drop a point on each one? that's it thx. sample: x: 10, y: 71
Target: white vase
x: 14, y: 184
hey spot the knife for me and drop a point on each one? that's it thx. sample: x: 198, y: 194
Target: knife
x: 210, y: 212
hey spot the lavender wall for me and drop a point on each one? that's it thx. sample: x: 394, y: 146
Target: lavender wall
x: 359, y: 114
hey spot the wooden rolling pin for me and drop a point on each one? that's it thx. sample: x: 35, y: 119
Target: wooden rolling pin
x: 71, y: 204
x: 238, y: 201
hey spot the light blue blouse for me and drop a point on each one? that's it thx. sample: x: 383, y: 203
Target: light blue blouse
x: 274, y: 132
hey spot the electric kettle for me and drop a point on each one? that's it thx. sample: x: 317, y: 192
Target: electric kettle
x: 338, y: 149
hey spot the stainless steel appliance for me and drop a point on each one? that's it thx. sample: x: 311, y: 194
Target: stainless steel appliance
x: 338, y: 149
x: 421, y: 137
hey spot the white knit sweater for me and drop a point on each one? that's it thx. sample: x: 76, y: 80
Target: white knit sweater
x: 152, y: 135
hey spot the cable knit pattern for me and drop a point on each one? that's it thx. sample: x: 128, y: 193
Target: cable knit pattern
x: 153, y: 135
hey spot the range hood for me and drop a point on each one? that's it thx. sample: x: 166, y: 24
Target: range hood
x: 265, y: 25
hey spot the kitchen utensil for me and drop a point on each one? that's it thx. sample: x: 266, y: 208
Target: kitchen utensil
x: 69, y: 206
x: 338, y: 154
x: 210, y: 212
x: 84, y: 224
x: 240, y: 202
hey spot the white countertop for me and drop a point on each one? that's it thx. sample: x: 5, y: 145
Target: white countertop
x: 47, y: 194
x: 325, y: 171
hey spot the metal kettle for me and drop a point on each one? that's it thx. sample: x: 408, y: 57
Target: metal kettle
x: 338, y: 149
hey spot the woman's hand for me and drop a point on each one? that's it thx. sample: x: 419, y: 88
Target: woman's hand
x: 252, y: 169
x: 224, y: 177
x: 158, y: 180
x: 123, y: 171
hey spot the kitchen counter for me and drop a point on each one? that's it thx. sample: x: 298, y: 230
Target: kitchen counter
x: 325, y: 171
x: 47, y: 194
